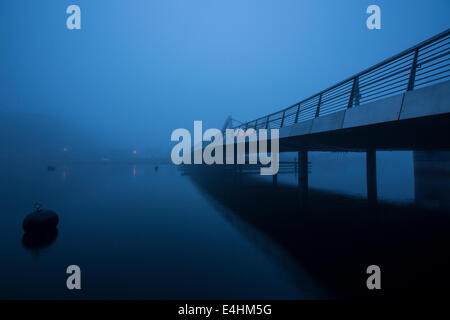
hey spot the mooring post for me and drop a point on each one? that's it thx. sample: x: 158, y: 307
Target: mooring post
x: 371, y: 168
x: 303, y: 176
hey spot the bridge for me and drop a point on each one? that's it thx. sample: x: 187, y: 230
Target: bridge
x: 402, y: 103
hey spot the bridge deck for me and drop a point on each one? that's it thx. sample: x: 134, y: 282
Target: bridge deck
x: 400, y: 103
x: 418, y: 120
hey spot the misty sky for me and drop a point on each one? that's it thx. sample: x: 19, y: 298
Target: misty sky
x: 139, y: 69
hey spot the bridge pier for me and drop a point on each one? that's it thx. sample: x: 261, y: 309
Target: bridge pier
x: 371, y: 169
x: 303, y: 176
x: 295, y: 166
x: 275, y: 179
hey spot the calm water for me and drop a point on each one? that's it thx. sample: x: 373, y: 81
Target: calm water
x: 135, y: 233
x: 140, y: 233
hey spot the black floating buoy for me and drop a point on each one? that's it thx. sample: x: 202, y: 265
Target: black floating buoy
x: 40, y: 240
x: 156, y: 168
x: 40, y: 221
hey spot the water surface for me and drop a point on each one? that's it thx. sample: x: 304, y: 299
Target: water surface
x: 142, y: 233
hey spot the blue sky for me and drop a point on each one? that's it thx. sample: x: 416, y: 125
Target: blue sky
x: 139, y: 69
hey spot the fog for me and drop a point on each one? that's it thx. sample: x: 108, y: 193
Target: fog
x: 137, y: 70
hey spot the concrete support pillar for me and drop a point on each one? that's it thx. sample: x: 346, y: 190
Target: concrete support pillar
x: 275, y: 179
x: 295, y: 166
x: 303, y: 176
x: 371, y: 168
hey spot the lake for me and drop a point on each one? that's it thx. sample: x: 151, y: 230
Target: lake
x: 141, y: 233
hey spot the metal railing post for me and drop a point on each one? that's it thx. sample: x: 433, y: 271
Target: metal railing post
x: 267, y: 122
x: 357, y: 95
x: 282, y: 119
x: 354, y: 92
x: 412, y: 75
x: 318, y: 106
x: 297, y: 113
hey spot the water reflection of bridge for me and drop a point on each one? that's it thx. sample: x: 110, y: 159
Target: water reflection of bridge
x: 285, y: 168
x: 334, y: 238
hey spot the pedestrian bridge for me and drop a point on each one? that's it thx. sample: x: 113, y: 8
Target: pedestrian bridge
x: 402, y: 103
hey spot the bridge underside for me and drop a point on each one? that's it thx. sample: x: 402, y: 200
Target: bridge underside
x: 415, y: 120
x: 427, y: 133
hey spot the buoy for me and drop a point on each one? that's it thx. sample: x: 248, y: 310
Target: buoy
x: 39, y: 240
x: 40, y: 221
x: 156, y: 168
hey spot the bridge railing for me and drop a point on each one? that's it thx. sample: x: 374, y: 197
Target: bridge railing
x: 422, y: 65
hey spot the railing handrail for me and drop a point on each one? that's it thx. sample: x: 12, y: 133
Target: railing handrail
x: 385, y: 62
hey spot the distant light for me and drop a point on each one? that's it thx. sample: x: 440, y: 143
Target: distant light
x: 65, y: 149
x: 134, y: 151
